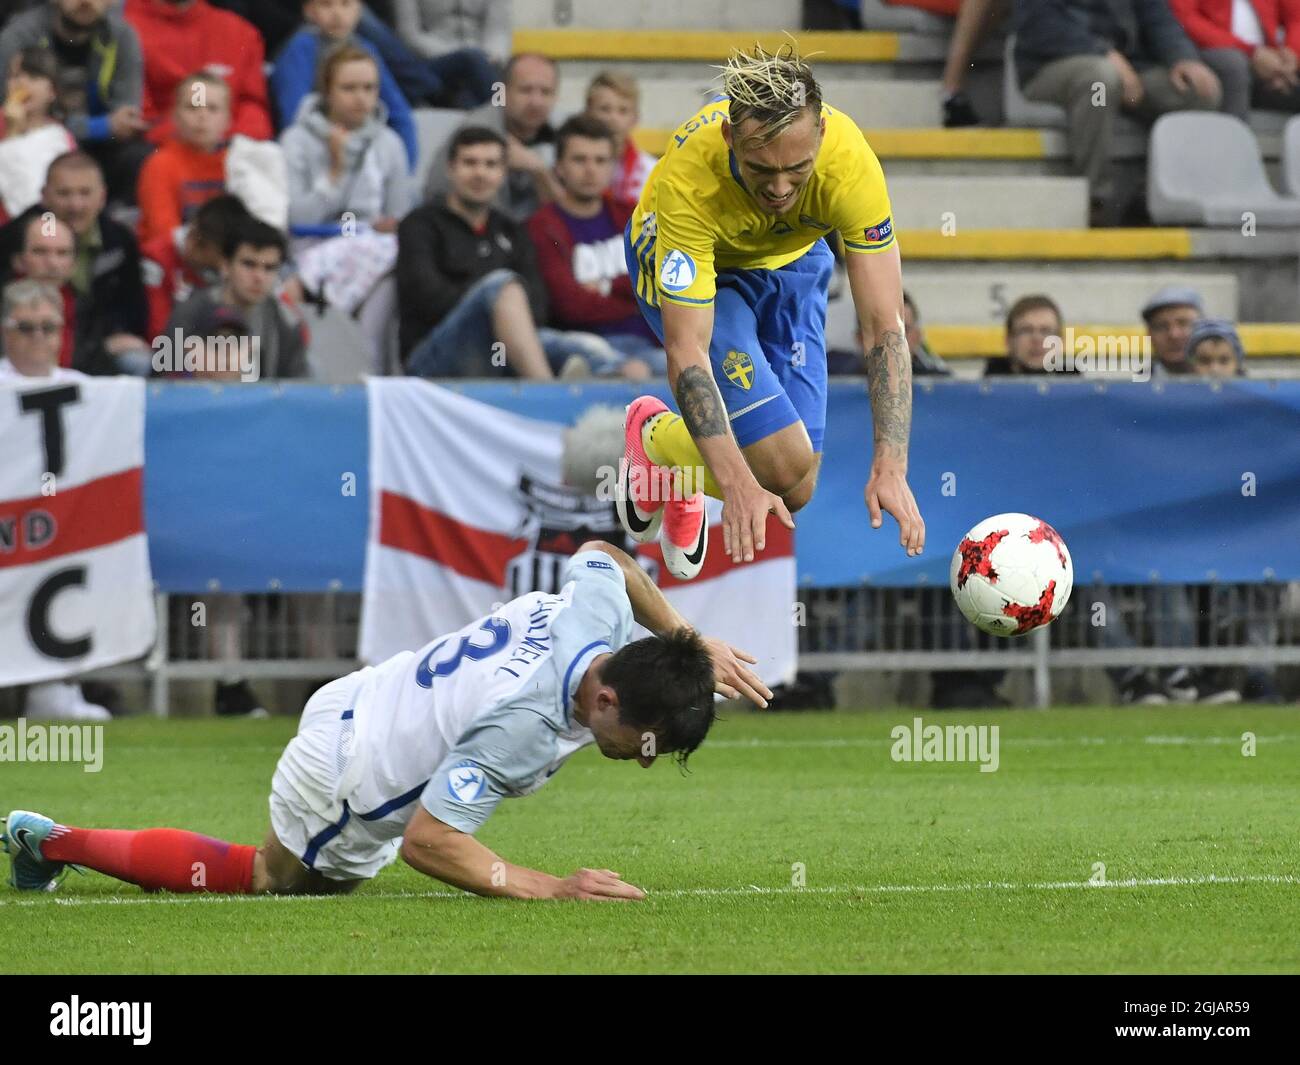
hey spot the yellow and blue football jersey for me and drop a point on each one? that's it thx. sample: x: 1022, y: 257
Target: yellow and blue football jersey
x: 695, y: 216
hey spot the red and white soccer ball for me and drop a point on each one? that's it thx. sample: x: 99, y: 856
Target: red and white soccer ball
x: 1011, y: 574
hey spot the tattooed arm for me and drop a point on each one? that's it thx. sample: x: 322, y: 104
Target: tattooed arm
x: 687, y: 333
x: 876, y: 282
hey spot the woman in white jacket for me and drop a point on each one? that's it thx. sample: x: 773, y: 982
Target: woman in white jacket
x: 349, y: 186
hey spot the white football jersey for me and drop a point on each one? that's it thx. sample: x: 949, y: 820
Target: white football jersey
x: 484, y: 713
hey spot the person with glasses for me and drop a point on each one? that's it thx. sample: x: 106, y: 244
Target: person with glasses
x: 31, y: 329
x: 1032, y: 323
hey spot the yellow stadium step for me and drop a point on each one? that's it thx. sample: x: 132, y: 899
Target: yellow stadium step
x: 918, y: 143
x: 1079, y: 245
x: 1260, y: 339
x: 709, y: 46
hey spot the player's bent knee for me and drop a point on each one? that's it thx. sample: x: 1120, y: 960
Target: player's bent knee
x: 799, y: 497
x: 786, y: 474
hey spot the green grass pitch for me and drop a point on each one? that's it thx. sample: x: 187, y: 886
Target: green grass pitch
x: 907, y: 867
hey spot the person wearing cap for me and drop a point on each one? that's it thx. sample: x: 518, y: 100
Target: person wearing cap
x: 1170, y: 315
x: 1214, y: 349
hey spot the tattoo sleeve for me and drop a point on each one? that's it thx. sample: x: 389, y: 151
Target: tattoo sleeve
x: 700, y: 402
x: 889, y: 386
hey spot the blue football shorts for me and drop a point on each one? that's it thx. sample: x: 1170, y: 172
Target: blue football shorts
x: 769, y: 341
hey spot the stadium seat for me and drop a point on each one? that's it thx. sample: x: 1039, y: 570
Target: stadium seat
x: 1190, y: 185
x: 433, y: 125
x: 339, y: 353
x: 877, y: 15
x: 1019, y: 109
x: 1291, y: 157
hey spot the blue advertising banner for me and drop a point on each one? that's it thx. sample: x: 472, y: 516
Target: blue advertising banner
x: 257, y: 487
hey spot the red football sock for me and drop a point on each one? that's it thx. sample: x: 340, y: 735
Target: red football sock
x: 157, y: 858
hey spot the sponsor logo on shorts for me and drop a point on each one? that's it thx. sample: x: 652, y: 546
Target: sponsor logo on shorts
x: 466, y: 782
x: 592, y: 564
x: 677, y: 273
x: 738, y: 368
x: 881, y: 233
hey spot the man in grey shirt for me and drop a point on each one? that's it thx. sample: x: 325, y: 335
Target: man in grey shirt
x: 524, y: 117
x: 250, y: 266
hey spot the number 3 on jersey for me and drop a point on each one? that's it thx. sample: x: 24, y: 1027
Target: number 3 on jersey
x: 497, y: 629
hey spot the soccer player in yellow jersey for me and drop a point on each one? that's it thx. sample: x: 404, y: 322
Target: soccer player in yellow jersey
x: 728, y: 260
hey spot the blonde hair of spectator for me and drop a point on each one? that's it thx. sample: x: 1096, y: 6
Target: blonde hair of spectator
x: 200, y: 77
x: 615, y: 81
x: 344, y: 53
x: 29, y: 293
x: 773, y: 88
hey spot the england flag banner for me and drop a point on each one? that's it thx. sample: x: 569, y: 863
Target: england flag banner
x: 75, y: 587
x: 469, y: 509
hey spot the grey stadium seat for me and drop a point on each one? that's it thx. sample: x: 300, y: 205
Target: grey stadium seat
x: 433, y: 125
x: 877, y: 15
x: 1190, y: 185
x: 1019, y: 110
x: 1291, y: 157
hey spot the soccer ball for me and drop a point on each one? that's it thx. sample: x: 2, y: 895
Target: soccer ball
x: 1011, y: 574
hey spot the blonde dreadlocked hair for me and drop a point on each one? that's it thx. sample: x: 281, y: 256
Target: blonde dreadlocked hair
x: 773, y: 88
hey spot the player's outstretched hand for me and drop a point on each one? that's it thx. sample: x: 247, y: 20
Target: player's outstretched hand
x: 731, y: 677
x: 744, y: 519
x: 888, y: 490
x: 598, y: 885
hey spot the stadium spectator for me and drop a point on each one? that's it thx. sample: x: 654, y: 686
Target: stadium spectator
x: 275, y: 20
x: 108, y: 301
x: 1252, y: 46
x: 179, y: 37
x: 250, y: 266
x: 1098, y: 57
x: 470, y: 293
x: 1214, y: 349
x: 1170, y: 315
x: 332, y: 24
x: 615, y: 99
x: 924, y: 361
x: 841, y: 362
x: 348, y: 169
x: 531, y: 84
x: 100, y: 80
x: 48, y: 254
x: 465, y: 42
x: 579, y: 242
x: 1033, y: 323
x: 176, y: 265
x: 190, y: 168
x: 975, y: 19
x: 831, y: 15
x: 1244, y: 614
x: 342, y: 159
x: 436, y: 27
x: 31, y: 325
x: 31, y: 137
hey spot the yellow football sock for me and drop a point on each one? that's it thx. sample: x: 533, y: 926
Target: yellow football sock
x: 668, y: 442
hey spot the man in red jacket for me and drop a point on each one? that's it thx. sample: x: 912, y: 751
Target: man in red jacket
x: 179, y: 37
x: 1254, y: 47
x: 579, y: 242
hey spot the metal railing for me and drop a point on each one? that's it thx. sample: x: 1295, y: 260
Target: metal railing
x: 298, y: 636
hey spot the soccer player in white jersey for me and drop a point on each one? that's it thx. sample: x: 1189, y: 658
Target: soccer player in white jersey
x: 413, y: 755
